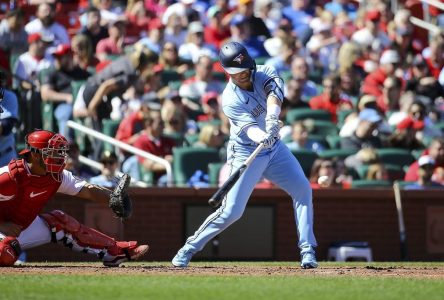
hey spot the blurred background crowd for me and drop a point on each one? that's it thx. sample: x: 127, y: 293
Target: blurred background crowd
x: 364, y: 86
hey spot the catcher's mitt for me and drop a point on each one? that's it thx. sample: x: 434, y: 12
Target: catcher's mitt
x: 119, y: 200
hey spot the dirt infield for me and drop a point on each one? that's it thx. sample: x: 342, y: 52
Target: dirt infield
x: 231, y: 270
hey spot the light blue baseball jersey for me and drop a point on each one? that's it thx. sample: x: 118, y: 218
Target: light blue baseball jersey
x: 7, y: 142
x: 243, y: 109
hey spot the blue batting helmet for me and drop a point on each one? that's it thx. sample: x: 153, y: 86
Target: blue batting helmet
x: 235, y: 58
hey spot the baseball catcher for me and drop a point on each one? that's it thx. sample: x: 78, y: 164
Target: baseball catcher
x: 28, y: 184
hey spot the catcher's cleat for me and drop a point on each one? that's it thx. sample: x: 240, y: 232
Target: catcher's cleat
x: 132, y: 253
x: 182, y: 258
x: 308, y: 260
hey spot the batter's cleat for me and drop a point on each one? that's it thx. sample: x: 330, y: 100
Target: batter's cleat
x: 308, y: 260
x: 127, y: 254
x: 182, y: 258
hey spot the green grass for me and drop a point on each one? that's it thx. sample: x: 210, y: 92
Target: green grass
x: 173, y: 285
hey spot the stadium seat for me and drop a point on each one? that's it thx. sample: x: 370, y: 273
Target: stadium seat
x: 364, y: 183
x: 306, y: 158
x: 110, y: 129
x: 334, y: 141
x: 187, y: 160
x: 190, y: 139
x: 339, y: 153
x: 261, y: 60
x: 216, y: 122
x: 396, y: 156
x: 170, y: 75
x: 48, y: 120
x: 213, y: 172
x: 321, y: 127
x: 298, y: 114
x: 145, y: 176
x: 220, y: 76
x: 395, y: 172
x: 342, y: 115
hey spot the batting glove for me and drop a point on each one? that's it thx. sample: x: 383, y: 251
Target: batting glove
x: 269, y: 140
x: 272, y: 126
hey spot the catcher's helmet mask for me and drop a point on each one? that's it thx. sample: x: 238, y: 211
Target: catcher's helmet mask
x: 235, y: 58
x: 52, y: 146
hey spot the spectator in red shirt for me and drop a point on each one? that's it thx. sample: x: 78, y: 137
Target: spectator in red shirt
x: 330, y: 100
x: 114, y: 44
x: 152, y: 141
x: 436, y: 152
x: 374, y: 81
x: 215, y: 33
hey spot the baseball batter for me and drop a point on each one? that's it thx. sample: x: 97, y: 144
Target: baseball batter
x: 26, y: 185
x: 252, y: 102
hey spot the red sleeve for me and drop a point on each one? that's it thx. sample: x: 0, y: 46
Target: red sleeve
x: 315, y: 103
x: 412, y: 172
x: 125, y: 130
x: 8, y: 187
x: 140, y: 144
x: 406, y: 123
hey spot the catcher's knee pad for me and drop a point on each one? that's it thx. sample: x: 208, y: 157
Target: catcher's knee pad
x: 77, y: 234
x: 9, y: 251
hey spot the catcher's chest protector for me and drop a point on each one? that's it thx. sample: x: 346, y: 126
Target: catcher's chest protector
x: 32, y: 194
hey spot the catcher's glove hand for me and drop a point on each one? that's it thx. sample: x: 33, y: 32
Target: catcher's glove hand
x: 119, y: 200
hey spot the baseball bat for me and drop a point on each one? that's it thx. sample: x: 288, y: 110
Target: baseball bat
x: 216, y: 199
x: 402, y: 232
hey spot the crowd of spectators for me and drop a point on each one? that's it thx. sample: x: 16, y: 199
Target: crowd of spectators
x: 151, y: 66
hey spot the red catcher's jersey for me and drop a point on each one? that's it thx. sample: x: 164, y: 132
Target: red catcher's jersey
x: 22, y: 195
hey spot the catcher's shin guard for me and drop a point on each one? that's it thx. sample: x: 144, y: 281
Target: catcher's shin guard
x: 81, y: 238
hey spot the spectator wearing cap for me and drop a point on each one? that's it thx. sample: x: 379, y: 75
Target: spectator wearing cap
x: 436, y: 152
x: 56, y: 85
x: 195, y: 44
x: 13, y: 37
x: 169, y: 59
x: 215, y: 33
x: 155, y: 36
x: 330, y: 100
x: 364, y: 135
x: 8, y: 119
x: 388, y: 63
x: 371, y: 33
x: 93, y: 27
x: 426, y: 166
x: 415, y: 129
x: 46, y: 25
x: 108, y: 177
x: 196, y: 86
x: 241, y: 33
x: 352, y: 120
x: 300, y: 14
x: 115, y: 43
x: 30, y: 63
